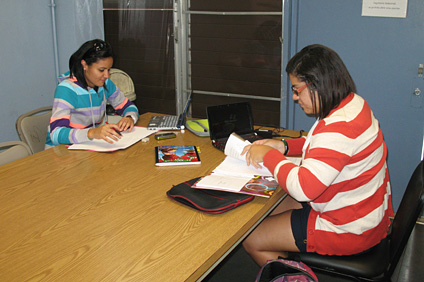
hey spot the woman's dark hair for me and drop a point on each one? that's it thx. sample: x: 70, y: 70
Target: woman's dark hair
x: 324, y: 71
x: 91, y: 51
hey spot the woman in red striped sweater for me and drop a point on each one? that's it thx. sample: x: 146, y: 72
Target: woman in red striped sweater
x: 339, y: 198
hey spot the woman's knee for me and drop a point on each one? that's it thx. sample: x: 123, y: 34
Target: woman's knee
x: 249, y: 245
x: 273, y: 234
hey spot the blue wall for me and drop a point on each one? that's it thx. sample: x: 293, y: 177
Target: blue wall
x: 28, y: 68
x: 382, y: 55
x: 27, y: 64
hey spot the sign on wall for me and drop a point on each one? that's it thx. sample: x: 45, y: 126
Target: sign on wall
x: 384, y: 8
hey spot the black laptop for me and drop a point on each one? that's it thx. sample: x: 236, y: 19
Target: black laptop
x: 226, y: 119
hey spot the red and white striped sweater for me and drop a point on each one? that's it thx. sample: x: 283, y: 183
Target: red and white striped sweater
x: 344, y: 177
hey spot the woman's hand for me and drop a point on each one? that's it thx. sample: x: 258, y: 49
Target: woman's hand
x: 107, y: 132
x: 255, y: 153
x: 126, y: 123
x: 276, y: 144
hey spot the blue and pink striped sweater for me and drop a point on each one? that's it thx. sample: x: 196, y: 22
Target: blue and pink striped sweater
x: 73, y: 113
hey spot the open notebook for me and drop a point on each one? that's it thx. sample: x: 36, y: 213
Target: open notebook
x: 169, y: 122
x: 128, y: 139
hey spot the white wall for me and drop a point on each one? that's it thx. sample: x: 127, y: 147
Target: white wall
x: 27, y: 61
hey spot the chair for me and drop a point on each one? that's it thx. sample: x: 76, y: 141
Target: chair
x: 32, y: 127
x: 13, y: 150
x: 379, y: 263
x: 124, y: 83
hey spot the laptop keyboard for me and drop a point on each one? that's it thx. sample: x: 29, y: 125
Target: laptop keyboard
x: 163, y: 122
x: 169, y: 121
x: 219, y: 145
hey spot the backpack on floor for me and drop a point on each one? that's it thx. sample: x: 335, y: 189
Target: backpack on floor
x: 282, y: 270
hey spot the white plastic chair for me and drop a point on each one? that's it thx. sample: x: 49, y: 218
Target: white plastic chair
x: 124, y: 83
x: 13, y: 150
x: 32, y: 127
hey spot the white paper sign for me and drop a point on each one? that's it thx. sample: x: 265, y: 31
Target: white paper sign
x: 384, y: 8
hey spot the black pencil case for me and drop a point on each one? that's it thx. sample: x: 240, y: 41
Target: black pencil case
x: 207, y: 201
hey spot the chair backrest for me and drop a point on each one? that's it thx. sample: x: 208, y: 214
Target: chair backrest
x: 13, y: 150
x: 406, y: 216
x: 32, y: 127
x: 124, y: 83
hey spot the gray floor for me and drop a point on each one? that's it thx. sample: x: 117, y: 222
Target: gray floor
x: 239, y: 267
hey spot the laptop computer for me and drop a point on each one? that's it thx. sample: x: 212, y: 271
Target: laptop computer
x: 170, y: 122
x: 226, y: 119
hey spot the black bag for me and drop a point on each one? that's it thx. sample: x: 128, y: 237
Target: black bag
x: 208, y: 201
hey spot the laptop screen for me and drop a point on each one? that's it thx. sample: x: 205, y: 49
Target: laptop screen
x: 187, y: 104
x: 183, y: 115
x: 226, y: 119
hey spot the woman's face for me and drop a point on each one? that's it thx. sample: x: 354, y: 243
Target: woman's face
x: 97, y: 73
x: 304, y: 99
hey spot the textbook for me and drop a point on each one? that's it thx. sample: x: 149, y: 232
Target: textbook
x: 234, y: 164
x: 176, y: 155
x: 233, y: 174
x: 258, y: 185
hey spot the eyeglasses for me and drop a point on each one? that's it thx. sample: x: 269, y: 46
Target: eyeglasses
x: 98, y: 46
x: 300, y: 89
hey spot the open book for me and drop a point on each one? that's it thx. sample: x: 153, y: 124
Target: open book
x: 234, y: 175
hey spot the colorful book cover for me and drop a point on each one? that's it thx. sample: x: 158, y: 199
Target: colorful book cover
x: 177, y: 155
x: 258, y: 185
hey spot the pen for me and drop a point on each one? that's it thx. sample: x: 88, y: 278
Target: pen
x: 117, y: 131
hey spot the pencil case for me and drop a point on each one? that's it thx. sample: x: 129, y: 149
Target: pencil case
x: 207, y: 201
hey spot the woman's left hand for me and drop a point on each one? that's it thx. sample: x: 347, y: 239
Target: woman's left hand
x: 255, y: 154
x: 126, y: 123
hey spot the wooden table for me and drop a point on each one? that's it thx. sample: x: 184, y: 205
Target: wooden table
x: 87, y: 216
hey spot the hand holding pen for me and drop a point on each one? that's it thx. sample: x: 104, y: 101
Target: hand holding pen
x: 107, y: 132
x: 116, y: 129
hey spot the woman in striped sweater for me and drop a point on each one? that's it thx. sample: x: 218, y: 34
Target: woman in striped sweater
x: 79, y: 106
x: 339, y: 198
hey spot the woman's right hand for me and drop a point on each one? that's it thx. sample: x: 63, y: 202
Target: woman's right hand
x: 107, y: 132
